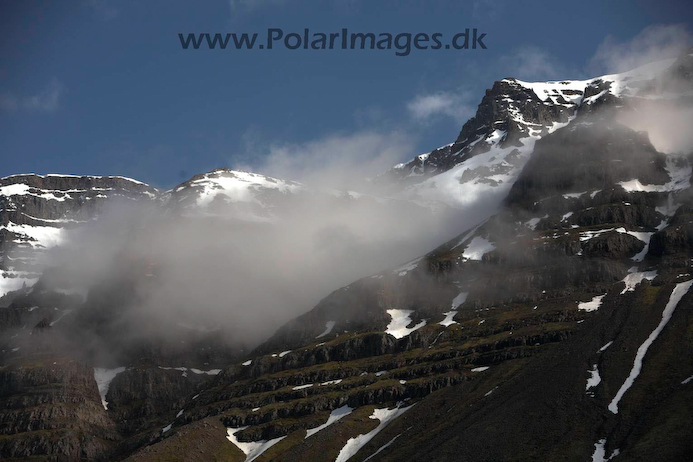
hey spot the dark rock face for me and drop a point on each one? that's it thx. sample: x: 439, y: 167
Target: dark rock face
x: 142, y: 395
x: 587, y: 157
x: 613, y: 245
x: 51, y: 407
x: 677, y: 237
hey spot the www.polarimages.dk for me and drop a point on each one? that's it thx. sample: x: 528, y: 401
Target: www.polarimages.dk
x: 403, y: 43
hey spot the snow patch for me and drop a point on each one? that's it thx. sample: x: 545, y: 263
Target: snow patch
x: 592, y: 305
x: 331, y: 382
x: 460, y: 299
x: 635, y: 277
x: 594, y: 379
x: 302, y: 387
x: 599, y: 454
x: 532, y: 224
x: 329, y: 325
x: 103, y: 378
x: 448, y: 321
x: 400, y: 320
x: 477, y: 248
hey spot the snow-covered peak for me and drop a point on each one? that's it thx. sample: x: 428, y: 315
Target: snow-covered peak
x: 233, y: 193
x: 234, y: 186
x: 570, y: 92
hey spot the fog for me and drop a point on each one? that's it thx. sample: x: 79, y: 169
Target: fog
x: 667, y: 123
x: 184, y: 268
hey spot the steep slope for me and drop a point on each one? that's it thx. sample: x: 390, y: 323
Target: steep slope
x: 553, y: 330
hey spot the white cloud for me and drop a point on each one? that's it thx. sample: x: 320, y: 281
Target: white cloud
x: 47, y: 100
x: 654, y: 43
x: 338, y: 161
x: 449, y: 104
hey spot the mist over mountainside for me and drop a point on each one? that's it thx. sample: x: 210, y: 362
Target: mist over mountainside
x: 533, y: 275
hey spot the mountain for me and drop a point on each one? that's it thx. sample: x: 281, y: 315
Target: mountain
x: 557, y: 327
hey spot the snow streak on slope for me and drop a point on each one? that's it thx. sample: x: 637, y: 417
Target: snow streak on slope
x: 679, y: 291
x: 382, y: 448
x: 385, y: 416
x: 329, y: 325
x: 334, y: 417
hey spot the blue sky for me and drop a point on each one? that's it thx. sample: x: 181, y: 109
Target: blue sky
x: 103, y: 86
